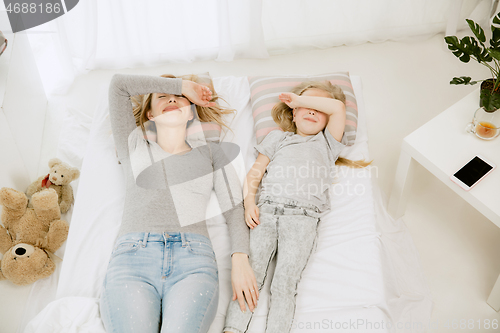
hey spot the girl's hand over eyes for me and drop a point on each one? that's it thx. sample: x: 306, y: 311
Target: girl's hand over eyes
x: 289, y: 99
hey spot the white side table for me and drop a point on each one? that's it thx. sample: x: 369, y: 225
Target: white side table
x: 442, y: 146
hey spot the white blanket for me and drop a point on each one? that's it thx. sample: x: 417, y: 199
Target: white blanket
x: 364, y: 276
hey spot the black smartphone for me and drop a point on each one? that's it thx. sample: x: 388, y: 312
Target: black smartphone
x: 472, y: 172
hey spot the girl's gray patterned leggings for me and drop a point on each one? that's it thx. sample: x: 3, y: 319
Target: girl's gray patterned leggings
x: 293, y: 227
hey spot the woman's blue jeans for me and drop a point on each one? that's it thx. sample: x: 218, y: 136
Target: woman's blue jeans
x: 160, y: 282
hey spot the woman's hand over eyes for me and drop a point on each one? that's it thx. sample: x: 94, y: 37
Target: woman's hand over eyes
x: 197, y: 93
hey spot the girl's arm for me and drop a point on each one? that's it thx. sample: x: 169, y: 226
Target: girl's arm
x: 336, y: 125
x: 334, y: 108
x: 252, y: 181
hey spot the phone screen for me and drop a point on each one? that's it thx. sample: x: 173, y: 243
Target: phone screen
x: 473, y: 171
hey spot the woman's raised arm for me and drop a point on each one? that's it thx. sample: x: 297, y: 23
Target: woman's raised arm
x: 120, y: 106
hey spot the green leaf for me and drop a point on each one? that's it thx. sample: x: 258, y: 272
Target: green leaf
x: 457, y: 48
x: 484, y: 55
x: 496, y: 19
x: 490, y: 100
x: 495, y: 53
x: 478, y: 51
x: 467, y: 47
x: 495, y: 32
x: 463, y: 80
x: 477, y: 30
x: 470, y: 45
x: 495, y: 38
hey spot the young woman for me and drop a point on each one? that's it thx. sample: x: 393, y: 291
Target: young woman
x: 162, y: 275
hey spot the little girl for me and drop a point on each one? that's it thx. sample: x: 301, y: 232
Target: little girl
x: 295, y: 166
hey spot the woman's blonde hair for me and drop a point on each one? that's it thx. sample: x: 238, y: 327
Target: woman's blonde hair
x: 283, y: 114
x: 142, y: 104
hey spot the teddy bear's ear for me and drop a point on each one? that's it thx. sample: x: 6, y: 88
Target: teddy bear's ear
x: 5, y: 240
x: 76, y: 173
x: 54, y: 161
x: 2, y: 277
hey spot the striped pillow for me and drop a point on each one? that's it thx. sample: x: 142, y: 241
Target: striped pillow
x: 266, y: 89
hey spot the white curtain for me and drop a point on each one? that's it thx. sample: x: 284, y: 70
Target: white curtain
x: 296, y: 25
x: 129, y: 33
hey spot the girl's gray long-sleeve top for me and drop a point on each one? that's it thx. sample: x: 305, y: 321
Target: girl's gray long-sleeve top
x: 167, y: 192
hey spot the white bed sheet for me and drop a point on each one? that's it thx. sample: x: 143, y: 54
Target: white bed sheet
x: 364, y: 273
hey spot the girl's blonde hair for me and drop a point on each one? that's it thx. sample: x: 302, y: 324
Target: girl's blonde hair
x: 283, y: 114
x: 142, y: 104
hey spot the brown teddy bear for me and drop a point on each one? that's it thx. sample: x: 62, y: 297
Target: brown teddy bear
x: 29, y: 236
x: 59, y: 177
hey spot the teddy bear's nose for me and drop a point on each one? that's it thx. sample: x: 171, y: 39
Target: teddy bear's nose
x: 21, y: 250
x: 54, y: 178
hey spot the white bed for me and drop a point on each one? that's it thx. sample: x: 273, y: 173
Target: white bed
x: 365, y: 271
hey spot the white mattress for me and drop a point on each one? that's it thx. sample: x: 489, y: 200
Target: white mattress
x: 364, y: 273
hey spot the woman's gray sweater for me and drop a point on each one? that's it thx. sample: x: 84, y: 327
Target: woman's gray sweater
x: 167, y: 192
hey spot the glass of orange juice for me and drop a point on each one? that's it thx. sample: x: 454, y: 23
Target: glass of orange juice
x: 485, y: 124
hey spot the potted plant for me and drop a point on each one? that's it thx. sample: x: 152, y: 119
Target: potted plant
x: 488, y: 55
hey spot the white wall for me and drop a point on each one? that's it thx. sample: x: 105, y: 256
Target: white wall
x: 22, y: 112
